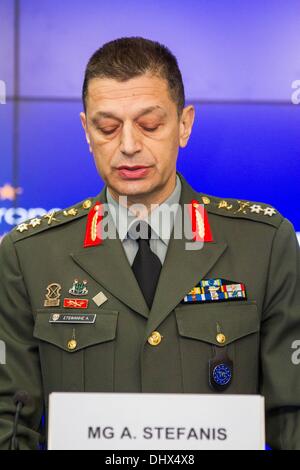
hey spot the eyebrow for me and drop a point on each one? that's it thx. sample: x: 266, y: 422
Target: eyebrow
x: 107, y: 114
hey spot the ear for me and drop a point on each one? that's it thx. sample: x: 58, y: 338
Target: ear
x: 84, y: 125
x: 186, y: 124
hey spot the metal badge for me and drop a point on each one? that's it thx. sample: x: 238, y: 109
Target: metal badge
x: 99, y: 299
x: 221, y: 375
x: 53, y: 295
x: 78, y: 288
x: 220, y: 368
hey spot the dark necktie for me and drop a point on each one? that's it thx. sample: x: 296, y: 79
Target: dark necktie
x: 146, y: 265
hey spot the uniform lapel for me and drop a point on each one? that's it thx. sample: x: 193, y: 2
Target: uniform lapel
x: 182, y: 269
x: 108, y: 265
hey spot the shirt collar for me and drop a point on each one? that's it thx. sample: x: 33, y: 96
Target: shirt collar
x: 161, y: 218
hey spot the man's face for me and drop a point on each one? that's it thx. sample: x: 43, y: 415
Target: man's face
x: 134, y: 132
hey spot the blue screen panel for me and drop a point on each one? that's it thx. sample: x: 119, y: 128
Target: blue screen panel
x: 8, y: 191
x: 227, y: 50
x: 56, y: 168
x: 7, y: 44
x: 247, y: 152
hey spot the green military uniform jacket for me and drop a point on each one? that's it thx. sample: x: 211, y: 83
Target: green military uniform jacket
x: 252, y: 244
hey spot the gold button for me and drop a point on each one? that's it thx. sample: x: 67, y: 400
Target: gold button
x: 221, y: 338
x: 205, y: 200
x: 155, y: 338
x: 87, y: 204
x: 72, y: 344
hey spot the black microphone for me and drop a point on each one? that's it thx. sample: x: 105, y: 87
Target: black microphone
x: 20, y: 399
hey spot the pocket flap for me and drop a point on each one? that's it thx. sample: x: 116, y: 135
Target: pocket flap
x: 59, y: 334
x: 201, y: 321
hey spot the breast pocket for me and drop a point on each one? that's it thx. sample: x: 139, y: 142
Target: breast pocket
x: 77, y: 356
x: 200, y: 327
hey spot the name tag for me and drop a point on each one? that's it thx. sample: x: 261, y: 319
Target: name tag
x: 76, y: 318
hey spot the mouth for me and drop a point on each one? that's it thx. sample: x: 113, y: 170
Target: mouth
x: 133, y: 172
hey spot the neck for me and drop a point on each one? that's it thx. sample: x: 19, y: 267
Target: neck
x: 149, y: 200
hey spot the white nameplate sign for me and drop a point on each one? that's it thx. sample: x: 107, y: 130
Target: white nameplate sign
x: 155, y: 421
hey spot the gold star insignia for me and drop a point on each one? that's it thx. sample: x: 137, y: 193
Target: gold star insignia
x: 256, y: 208
x: 35, y: 222
x: 269, y: 211
x: 22, y: 227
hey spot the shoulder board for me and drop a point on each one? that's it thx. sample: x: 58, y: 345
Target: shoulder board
x: 51, y: 220
x: 235, y: 208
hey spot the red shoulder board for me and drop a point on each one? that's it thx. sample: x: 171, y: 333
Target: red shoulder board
x: 200, y: 225
x: 93, y: 232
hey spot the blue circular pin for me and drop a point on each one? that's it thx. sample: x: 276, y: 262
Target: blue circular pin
x: 222, y: 374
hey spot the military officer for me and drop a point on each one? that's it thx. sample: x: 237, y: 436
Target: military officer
x: 140, y: 308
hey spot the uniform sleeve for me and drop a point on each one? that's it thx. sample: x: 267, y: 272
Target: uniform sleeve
x: 21, y: 370
x: 280, y: 332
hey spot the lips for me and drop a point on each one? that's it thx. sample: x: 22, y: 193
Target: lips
x: 133, y: 172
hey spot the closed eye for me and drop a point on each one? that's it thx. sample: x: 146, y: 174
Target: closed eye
x: 107, y: 132
x: 111, y: 131
x: 150, y: 129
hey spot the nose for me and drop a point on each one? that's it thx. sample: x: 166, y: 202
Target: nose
x: 130, y: 142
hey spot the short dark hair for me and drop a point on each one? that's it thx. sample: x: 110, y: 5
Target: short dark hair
x: 129, y: 57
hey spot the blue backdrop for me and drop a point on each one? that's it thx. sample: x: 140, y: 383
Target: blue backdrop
x: 238, y: 59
